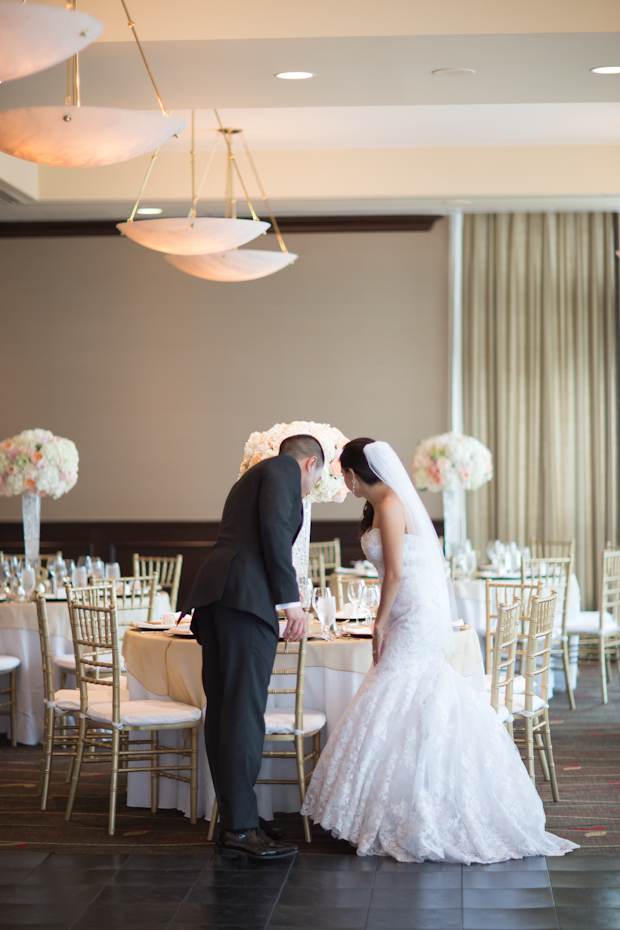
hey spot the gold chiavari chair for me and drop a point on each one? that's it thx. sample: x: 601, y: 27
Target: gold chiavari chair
x: 9, y: 666
x: 131, y: 594
x: 289, y: 726
x: 168, y: 570
x: 554, y: 573
x: 96, y: 643
x: 532, y: 707
x: 316, y: 569
x: 59, y: 735
x: 330, y: 551
x: 506, y: 638
x: 505, y: 592
x: 599, y: 630
x: 552, y: 549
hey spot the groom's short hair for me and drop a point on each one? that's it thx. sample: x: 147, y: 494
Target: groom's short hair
x: 303, y: 446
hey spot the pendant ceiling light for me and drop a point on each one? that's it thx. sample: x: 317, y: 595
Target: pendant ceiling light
x: 227, y: 265
x: 237, y: 265
x: 35, y: 37
x: 193, y: 235
x: 74, y: 136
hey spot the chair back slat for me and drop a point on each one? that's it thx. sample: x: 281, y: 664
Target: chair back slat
x: 316, y: 568
x: 505, y: 654
x: 330, y: 551
x: 168, y: 570
x: 552, y: 549
x: 298, y: 649
x: 610, y: 586
x: 538, y: 649
x: 553, y: 574
x: 47, y: 659
x: 95, y: 641
x: 505, y: 592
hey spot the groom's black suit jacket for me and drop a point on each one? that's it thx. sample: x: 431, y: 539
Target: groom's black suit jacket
x: 250, y: 567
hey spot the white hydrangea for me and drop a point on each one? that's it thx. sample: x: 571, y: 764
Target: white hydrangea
x: 331, y: 486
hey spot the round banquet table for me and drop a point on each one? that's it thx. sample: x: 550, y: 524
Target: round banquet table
x: 19, y: 636
x: 164, y: 667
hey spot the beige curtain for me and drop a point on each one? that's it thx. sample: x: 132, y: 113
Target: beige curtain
x: 541, y: 380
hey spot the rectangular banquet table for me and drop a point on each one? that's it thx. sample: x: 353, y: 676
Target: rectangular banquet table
x: 165, y: 667
x: 19, y: 636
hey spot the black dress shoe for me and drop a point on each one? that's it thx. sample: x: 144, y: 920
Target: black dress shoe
x: 252, y: 843
x: 274, y: 833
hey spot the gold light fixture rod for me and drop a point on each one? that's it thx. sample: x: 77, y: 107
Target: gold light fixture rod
x: 225, y: 133
x: 146, y: 177
x: 274, y: 221
x: 132, y: 26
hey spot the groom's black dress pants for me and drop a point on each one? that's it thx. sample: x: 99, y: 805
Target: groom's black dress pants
x: 238, y: 652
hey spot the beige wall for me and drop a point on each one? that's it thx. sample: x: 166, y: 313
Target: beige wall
x: 159, y: 377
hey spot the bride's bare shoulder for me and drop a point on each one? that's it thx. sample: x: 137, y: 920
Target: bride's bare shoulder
x: 390, y: 510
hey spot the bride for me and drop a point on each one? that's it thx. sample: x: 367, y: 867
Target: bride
x: 419, y: 766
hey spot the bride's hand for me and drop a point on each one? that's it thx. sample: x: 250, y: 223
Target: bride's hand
x: 377, y: 644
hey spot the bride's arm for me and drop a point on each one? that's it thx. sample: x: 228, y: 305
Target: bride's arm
x: 391, y: 519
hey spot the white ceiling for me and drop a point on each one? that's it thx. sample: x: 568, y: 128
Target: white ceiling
x: 409, y: 126
x: 374, y: 86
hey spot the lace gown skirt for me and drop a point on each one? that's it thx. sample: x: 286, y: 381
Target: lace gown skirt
x: 419, y: 767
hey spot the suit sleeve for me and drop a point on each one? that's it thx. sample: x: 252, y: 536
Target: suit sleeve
x: 280, y: 498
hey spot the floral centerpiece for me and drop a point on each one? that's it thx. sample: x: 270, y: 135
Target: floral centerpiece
x: 35, y: 464
x: 330, y: 487
x: 452, y: 463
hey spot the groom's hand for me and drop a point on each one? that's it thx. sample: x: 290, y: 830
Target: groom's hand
x: 297, y: 625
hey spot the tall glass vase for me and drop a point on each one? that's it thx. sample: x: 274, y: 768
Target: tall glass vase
x: 31, y: 515
x: 301, y: 546
x: 454, y: 521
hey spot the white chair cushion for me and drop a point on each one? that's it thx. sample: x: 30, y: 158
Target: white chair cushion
x: 146, y: 713
x: 8, y: 663
x: 279, y: 721
x: 588, y: 623
x: 518, y: 705
x: 502, y: 712
x: 518, y: 685
x: 67, y: 662
x: 69, y: 699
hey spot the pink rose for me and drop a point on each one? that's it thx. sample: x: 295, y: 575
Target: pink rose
x: 335, y: 468
x: 340, y: 495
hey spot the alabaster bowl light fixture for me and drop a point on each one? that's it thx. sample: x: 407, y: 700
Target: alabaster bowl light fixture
x: 73, y: 136
x: 237, y: 265
x: 243, y: 264
x: 193, y: 235
x: 35, y: 37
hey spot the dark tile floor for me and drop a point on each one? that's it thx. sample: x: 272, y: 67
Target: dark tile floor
x: 189, y: 890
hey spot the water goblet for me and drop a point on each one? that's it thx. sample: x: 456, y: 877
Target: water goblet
x: 370, y: 600
x: 29, y: 579
x: 326, y: 612
x: 86, y: 563
x: 305, y: 592
x: 355, y: 594
x: 96, y: 569
x: 112, y: 570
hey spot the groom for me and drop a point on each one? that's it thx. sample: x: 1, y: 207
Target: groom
x: 246, y: 579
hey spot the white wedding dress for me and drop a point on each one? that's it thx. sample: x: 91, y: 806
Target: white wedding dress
x: 419, y: 766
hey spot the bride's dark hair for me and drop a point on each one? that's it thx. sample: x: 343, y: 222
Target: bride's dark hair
x: 353, y: 457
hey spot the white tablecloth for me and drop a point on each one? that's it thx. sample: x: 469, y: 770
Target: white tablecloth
x: 19, y: 637
x: 326, y: 689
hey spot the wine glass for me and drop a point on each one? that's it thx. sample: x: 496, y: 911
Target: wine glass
x: 86, y: 563
x: 370, y: 599
x: 355, y: 594
x: 325, y: 610
x: 96, y: 568
x: 29, y: 579
x: 112, y: 570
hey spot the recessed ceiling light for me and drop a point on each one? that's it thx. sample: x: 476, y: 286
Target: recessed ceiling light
x: 453, y: 72
x: 607, y: 69
x: 294, y: 75
x: 149, y: 211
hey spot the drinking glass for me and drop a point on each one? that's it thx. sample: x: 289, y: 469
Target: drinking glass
x: 326, y: 611
x: 370, y: 599
x: 96, y: 568
x: 86, y: 562
x: 5, y: 573
x: 29, y: 579
x: 80, y: 577
x: 355, y: 594
x: 112, y: 570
